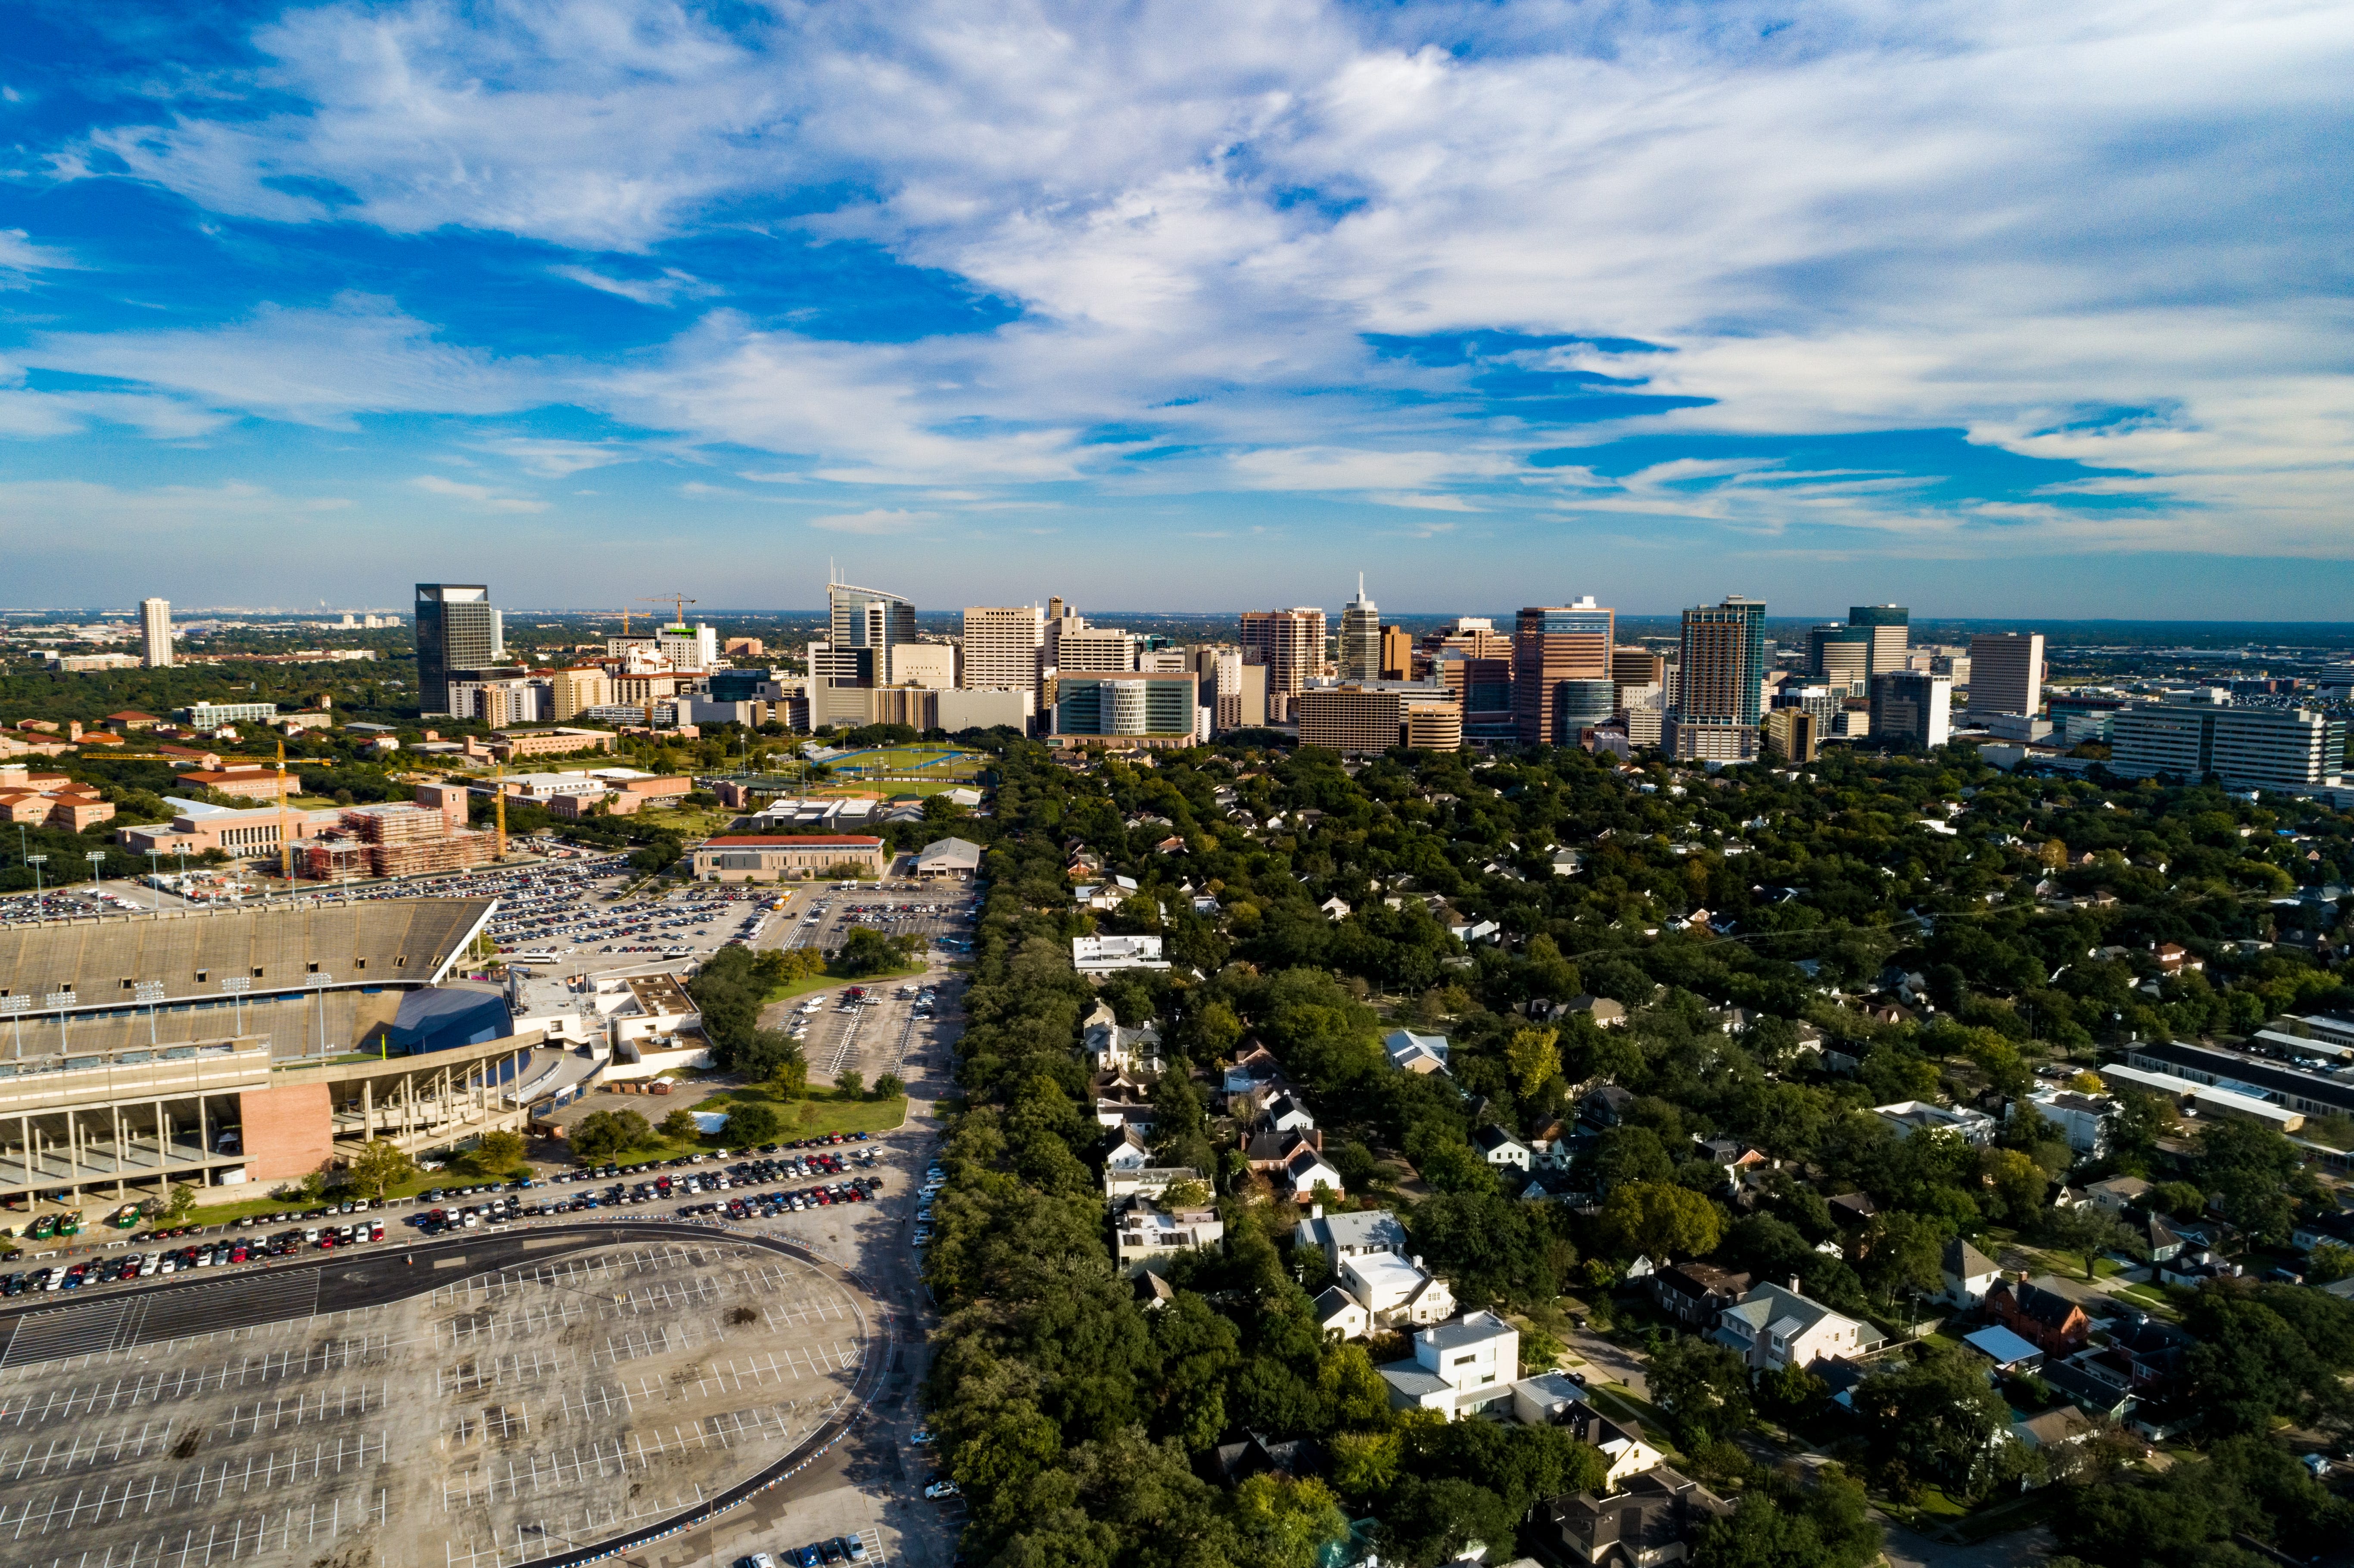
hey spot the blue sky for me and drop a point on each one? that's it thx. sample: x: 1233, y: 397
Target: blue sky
x: 1988, y: 309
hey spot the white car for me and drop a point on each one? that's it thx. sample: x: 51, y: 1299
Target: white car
x: 938, y: 1489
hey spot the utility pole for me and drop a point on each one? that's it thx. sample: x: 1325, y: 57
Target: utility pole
x: 285, y: 839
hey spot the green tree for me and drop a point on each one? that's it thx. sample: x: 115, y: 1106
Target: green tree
x: 498, y: 1149
x: 749, y: 1122
x: 1283, y: 1524
x: 602, y: 1135
x: 1937, y: 1416
x: 890, y: 1086
x: 183, y: 1201
x: 378, y: 1165
x: 1658, y: 1221
x: 680, y: 1126
x: 2087, y: 1232
x: 850, y: 1083
x: 2253, y: 1172
x: 1533, y: 1058
x: 1704, y: 1387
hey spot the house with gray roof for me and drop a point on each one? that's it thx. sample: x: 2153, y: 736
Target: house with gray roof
x: 1459, y: 1368
x: 1771, y: 1328
x: 1339, y: 1235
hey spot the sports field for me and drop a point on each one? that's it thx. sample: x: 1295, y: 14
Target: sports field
x: 915, y: 762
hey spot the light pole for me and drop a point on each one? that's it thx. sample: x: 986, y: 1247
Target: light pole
x: 236, y: 987
x: 155, y: 878
x: 16, y: 1007
x: 36, y: 862
x: 320, y: 982
x: 96, y: 894
x: 151, y: 993
x: 61, y: 1000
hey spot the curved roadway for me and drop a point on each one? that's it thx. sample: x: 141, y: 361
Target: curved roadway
x: 394, y: 1273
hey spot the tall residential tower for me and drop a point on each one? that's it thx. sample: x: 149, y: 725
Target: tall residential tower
x: 1719, y: 696
x: 155, y: 630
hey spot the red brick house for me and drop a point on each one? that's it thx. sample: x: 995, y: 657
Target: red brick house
x: 2049, y: 1320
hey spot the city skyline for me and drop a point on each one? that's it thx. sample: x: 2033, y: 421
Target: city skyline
x: 1842, y: 306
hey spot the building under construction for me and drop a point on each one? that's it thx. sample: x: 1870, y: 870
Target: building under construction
x: 393, y: 840
x: 220, y: 1047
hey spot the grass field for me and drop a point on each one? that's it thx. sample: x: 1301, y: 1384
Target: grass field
x: 924, y: 761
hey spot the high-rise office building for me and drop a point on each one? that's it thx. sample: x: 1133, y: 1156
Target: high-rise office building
x: 868, y: 618
x: 1914, y: 705
x: 1553, y: 643
x: 580, y: 688
x: 1289, y: 643
x: 155, y: 630
x: 1361, y: 637
x: 693, y: 647
x: 1793, y: 734
x: 1003, y: 645
x: 1397, y: 653
x: 1093, y: 651
x: 1890, y: 626
x: 2247, y: 748
x: 1138, y: 708
x: 2006, y: 673
x: 1839, y: 656
x: 1374, y: 716
x: 1720, y: 693
x: 458, y: 633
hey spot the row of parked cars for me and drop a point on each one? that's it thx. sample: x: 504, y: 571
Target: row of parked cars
x: 204, y: 1254
x: 935, y: 1176
x: 840, y: 1549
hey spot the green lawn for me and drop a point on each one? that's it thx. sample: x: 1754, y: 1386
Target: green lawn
x: 822, y: 1112
x: 424, y: 1180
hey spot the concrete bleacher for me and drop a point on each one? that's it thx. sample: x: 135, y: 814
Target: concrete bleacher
x: 291, y: 1023
x: 402, y: 942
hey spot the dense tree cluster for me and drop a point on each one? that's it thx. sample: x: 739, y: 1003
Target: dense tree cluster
x: 1309, y: 906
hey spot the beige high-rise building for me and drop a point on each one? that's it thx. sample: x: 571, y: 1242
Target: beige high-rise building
x: 1361, y: 637
x: 1890, y: 626
x: 1397, y: 653
x: 932, y: 665
x: 1093, y: 651
x: 2006, y: 673
x: 155, y: 627
x: 582, y: 687
x: 1375, y: 716
x: 1002, y: 649
x: 1289, y: 643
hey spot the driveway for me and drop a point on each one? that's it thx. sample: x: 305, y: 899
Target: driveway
x: 1906, y: 1549
x: 1613, y: 1363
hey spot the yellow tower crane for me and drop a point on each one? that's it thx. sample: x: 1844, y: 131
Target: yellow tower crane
x: 285, y: 839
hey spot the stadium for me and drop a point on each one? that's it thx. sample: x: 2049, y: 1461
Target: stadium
x: 218, y: 1047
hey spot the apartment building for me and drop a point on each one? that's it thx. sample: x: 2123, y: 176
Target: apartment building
x: 1551, y: 644
x: 156, y: 632
x: 2005, y: 673
x: 1291, y: 644
x: 1003, y: 646
x: 1721, y: 691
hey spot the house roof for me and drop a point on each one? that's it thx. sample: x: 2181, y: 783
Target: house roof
x: 1963, y: 1261
x: 1471, y: 1329
x: 803, y: 841
x: 2063, y: 1423
x: 1789, y: 1313
x: 1363, y: 1228
x: 1490, y: 1139
x: 2048, y: 1307
x: 1333, y: 1302
x: 2002, y: 1347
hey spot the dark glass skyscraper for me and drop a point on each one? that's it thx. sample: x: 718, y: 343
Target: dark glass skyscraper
x: 457, y: 630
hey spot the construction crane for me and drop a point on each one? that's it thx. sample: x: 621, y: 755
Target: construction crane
x: 678, y: 600
x: 285, y: 839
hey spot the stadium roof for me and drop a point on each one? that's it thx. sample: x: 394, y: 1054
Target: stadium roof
x: 407, y: 941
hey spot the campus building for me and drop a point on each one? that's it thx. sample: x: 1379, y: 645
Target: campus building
x: 2265, y: 749
x: 770, y: 857
x: 1135, y: 709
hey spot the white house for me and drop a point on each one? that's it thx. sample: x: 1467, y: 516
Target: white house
x: 1457, y: 1368
x: 1395, y: 1291
x: 1968, y: 1274
x: 1257, y: 1068
x: 1909, y: 1117
x: 1500, y: 1148
x: 1106, y: 955
x: 1114, y: 1049
x: 1773, y: 1328
x: 1341, y: 1315
x: 1145, y: 1234
x: 1129, y: 1153
x: 1284, y: 1113
x: 1300, y: 1175
x: 1547, y: 1399
x: 1412, y: 1052
x: 1334, y: 908
x: 1339, y: 1236
x: 2084, y: 1118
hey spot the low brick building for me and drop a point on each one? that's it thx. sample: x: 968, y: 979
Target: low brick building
x: 774, y: 857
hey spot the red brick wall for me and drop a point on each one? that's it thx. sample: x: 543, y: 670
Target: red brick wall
x: 288, y: 1131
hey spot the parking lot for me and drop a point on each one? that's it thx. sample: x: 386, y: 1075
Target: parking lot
x: 485, y: 1417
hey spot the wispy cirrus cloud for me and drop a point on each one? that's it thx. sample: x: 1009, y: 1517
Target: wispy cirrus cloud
x: 480, y: 497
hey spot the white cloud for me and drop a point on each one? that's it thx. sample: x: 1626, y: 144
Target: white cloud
x: 878, y: 520
x: 671, y: 286
x: 310, y: 366
x: 560, y: 459
x: 1854, y: 216
x: 479, y: 496
x: 20, y: 258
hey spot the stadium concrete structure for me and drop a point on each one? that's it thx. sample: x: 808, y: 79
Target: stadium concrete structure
x: 220, y: 1047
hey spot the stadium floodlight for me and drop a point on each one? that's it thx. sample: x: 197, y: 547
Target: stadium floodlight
x: 151, y: 993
